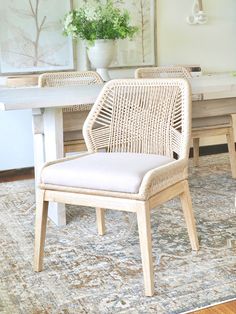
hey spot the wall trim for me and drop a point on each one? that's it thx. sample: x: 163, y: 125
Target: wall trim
x: 16, y: 174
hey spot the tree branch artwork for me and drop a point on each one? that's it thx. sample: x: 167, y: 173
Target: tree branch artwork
x: 35, y: 39
x: 38, y: 27
x: 144, y: 21
x: 143, y: 44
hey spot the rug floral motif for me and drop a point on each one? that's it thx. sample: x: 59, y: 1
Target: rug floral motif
x: 87, y: 273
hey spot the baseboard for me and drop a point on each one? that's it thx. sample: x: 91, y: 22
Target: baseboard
x: 17, y: 174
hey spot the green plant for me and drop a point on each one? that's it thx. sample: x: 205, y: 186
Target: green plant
x: 104, y: 21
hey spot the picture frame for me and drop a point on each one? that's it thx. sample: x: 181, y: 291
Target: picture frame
x: 141, y: 50
x: 31, y: 38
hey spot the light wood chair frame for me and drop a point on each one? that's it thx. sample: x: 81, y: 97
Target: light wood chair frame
x: 207, y: 130
x: 158, y: 186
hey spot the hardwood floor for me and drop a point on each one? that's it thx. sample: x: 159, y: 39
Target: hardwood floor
x: 16, y: 174
x: 28, y: 173
x: 226, y: 308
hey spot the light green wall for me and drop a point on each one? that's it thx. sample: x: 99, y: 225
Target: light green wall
x: 212, y: 45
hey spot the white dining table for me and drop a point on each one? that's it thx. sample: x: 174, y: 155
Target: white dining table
x: 47, y: 103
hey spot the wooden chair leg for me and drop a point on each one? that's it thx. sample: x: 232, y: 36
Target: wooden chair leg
x: 144, y: 227
x: 196, y: 151
x: 189, y: 216
x: 232, y: 153
x: 40, y: 230
x: 100, y: 212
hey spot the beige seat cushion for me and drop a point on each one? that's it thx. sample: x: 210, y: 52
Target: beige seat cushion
x: 117, y: 172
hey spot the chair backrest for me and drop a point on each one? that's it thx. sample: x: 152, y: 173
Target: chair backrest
x: 59, y: 79
x: 163, y: 72
x: 151, y: 116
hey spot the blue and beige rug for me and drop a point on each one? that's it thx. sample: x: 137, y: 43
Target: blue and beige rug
x: 85, y: 273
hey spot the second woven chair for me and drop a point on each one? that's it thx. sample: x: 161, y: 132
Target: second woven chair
x: 73, y: 117
x: 201, y: 127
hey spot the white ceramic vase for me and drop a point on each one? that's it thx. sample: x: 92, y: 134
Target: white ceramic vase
x: 101, y: 55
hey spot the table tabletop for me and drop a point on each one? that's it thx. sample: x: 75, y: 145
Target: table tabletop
x: 224, y: 83
x: 219, y: 85
x: 48, y: 97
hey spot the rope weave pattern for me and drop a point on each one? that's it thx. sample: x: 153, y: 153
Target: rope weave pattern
x: 167, y: 72
x: 149, y: 116
x: 139, y: 116
x: 163, y: 72
x: 70, y: 79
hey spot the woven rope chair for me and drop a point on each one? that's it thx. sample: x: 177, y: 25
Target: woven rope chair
x: 163, y: 72
x: 73, y: 117
x: 130, y: 166
x: 201, y: 127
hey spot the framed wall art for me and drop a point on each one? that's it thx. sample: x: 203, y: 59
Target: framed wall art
x: 141, y: 51
x: 31, y: 37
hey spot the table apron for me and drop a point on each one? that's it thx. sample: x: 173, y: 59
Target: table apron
x: 214, y: 107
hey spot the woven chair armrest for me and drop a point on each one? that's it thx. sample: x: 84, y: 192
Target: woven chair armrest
x: 162, y: 177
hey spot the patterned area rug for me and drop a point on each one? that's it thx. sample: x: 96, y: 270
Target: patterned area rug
x: 86, y: 273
